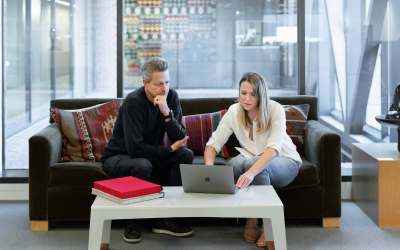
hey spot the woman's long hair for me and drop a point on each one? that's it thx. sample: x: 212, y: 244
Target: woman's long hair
x: 261, y: 92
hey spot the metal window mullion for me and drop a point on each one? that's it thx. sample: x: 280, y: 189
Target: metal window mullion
x: 301, y: 46
x: 71, y: 47
x: 86, y: 32
x: 234, y: 9
x: 53, y: 50
x: 28, y: 61
x: 3, y: 82
x: 120, y: 48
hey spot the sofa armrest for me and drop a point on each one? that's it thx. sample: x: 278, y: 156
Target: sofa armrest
x: 44, y: 150
x: 322, y: 148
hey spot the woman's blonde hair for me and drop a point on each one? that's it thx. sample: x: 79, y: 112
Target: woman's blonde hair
x: 261, y: 92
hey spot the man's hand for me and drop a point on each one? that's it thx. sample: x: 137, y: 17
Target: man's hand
x: 161, y: 101
x: 180, y: 144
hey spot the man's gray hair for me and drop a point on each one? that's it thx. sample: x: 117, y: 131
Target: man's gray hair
x: 154, y: 64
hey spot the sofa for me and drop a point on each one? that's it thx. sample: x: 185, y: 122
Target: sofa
x: 61, y: 191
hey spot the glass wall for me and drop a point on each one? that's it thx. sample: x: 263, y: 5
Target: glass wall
x: 54, y: 49
x: 351, y: 57
x: 209, y: 44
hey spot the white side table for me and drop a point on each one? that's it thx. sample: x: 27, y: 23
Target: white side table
x: 260, y: 202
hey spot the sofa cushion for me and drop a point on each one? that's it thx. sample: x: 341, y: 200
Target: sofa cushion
x: 199, y: 128
x: 296, y: 118
x: 307, y: 177
x: 86, y: 131
x: 76, y: 174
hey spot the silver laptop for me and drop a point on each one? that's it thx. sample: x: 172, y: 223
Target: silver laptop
x: 216, y: 179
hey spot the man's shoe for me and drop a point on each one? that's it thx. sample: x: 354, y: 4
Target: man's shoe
x: 133, y: 231
x: 170, y: 226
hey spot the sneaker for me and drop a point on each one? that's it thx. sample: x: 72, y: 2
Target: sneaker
x: 170, y: 226
x: 133, y: 231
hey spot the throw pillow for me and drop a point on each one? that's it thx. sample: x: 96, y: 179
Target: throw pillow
x: 86, y: 131
x: 199, y: 128
x: 296, y: 118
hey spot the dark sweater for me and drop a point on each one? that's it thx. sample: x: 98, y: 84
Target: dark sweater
x: 140, y: 128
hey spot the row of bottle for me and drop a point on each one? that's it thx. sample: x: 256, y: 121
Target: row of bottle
x: 151, y: 20
x: 132, y: 3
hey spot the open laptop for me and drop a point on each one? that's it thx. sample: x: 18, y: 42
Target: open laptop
x: 216, y: 179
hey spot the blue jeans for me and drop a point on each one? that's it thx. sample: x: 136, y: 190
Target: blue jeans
x: 122, y: 165
x: 279, y: 173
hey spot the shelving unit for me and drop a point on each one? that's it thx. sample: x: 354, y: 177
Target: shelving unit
x: 153, y: 28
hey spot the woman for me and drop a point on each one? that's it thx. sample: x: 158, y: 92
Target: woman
x: 260, y: 127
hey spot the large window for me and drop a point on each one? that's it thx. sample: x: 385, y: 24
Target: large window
x: 351, y: 58
x: 54, y: 49
x: 209, y: 44
x: 68, y: 49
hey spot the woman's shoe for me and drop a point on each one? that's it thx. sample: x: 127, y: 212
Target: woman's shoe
x: 261, y: 240
x: 251, y: 232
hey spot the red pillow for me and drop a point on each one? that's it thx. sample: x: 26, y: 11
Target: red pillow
x: 199, y: 128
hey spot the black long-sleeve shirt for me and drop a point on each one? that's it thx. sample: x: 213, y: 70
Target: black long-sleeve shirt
x: 140, y: 128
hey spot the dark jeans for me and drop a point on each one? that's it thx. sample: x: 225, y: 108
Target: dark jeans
x: 122, y: 166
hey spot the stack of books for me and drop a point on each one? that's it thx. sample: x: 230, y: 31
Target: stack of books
x: 127, y: 190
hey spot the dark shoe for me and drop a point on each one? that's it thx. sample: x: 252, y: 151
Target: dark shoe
x: 170, y: 226
x: 133, y: 231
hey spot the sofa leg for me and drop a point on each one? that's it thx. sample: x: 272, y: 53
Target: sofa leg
x: 330, y: 222
x: 39, y: 225
x: 104, y: 246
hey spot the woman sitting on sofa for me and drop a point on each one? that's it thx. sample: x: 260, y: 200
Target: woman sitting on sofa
x: 260, y: 127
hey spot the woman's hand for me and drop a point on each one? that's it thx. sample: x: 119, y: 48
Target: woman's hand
x: 245, y: 179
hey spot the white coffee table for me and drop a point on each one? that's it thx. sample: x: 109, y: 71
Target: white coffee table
x: 260, y: 202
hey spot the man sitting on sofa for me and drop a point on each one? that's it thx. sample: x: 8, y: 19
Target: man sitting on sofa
x: 136, y: 146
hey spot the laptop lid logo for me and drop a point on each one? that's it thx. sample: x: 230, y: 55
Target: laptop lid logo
x: 207, y: 179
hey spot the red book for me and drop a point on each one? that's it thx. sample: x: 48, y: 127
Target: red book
x: 127, y: 187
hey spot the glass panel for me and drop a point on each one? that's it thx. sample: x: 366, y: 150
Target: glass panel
x: 209, y: 44
x: 82, y: 28
x: 41, y: 58
x: 338, y: 105
x: 266, y: 42
x: 62, y: 50
x: 374, y: 99
x: 15, y: 101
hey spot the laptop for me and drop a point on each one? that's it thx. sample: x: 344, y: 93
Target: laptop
x: 217, y: 179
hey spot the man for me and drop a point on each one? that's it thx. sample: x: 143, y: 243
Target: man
x: 135, y: 148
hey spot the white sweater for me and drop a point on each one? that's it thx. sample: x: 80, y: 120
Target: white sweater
x: 275, y: 137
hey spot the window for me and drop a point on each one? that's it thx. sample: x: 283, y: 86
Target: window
x: 209, y: 44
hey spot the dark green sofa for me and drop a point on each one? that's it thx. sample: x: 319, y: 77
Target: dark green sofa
x: 62, y: 191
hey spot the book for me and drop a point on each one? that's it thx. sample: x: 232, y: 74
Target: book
x: 246, y: 153
x: 128, y: 200
x: 127, y: 187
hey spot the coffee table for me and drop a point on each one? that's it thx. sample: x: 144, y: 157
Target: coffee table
x: 260, y: 202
